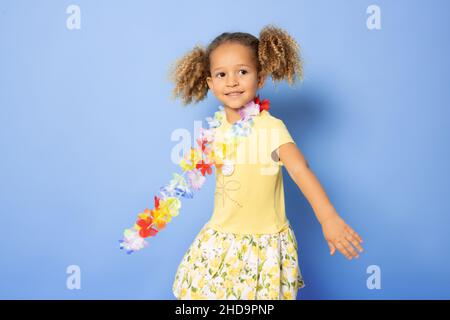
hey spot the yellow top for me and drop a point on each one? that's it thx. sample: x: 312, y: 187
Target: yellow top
x: 251, y: 199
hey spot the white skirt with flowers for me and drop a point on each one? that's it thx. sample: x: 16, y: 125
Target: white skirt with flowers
x: 233, y: 266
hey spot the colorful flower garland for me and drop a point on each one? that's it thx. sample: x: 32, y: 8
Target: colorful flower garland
x: 197, y: 164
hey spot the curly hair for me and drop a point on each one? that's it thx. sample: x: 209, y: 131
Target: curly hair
x: 276, y: 53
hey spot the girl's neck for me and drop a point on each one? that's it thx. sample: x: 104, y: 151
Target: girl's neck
x: 232, y: 115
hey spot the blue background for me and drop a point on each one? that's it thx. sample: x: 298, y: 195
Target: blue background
x: 86, y: 119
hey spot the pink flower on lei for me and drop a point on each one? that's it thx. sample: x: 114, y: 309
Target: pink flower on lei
x: 251, y: 109
x: 196, y: 179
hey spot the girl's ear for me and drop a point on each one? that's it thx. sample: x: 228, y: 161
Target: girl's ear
x: 209, y: 82
x: 261, y: 79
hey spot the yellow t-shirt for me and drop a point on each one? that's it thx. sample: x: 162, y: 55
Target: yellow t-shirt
x: 251, y: 199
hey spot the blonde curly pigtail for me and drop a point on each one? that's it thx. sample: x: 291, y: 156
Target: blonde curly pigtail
x: 189, y: 73
x: 279, y: 55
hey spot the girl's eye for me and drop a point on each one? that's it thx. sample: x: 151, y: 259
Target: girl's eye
x: 220, y: 74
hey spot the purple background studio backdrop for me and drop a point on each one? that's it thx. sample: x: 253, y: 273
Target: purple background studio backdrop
x: 86, y: 121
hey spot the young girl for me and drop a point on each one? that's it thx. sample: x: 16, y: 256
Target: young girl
x: 248, y: 250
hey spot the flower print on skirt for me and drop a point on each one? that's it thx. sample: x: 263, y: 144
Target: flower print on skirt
x: 220, y: 265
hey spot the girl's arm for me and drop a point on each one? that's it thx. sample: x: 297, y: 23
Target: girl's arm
x: 336, y: 232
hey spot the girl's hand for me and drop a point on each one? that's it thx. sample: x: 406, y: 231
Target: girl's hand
x: 339, y: 235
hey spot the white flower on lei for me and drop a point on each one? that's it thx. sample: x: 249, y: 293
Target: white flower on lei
x: 212, y: 122
x: 132, y: 241
x: 242, y: 128
x: 206, y: 135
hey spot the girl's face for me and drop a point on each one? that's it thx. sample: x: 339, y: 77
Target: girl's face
x: 234, y: 79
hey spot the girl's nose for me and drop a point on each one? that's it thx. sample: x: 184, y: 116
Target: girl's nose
x: 232, y: 82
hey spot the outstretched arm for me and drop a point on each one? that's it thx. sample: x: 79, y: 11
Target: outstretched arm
x: 337, y: 233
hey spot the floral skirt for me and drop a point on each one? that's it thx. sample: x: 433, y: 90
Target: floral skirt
x: 233, y: 266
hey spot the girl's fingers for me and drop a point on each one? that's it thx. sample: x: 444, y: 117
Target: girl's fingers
x: 349, y: 248
x: 332, y: 247
x: 354, y: 242
x: 342, y: 249
x: 354, y: 233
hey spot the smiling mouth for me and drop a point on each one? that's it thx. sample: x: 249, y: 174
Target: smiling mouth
x: 234, y: 94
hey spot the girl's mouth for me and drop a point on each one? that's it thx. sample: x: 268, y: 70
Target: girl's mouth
x: 234, y: 94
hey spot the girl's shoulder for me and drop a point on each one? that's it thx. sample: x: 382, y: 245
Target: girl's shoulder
x: 266, y: 119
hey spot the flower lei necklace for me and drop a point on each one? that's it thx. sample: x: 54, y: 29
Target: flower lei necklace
x: 196, y: 165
